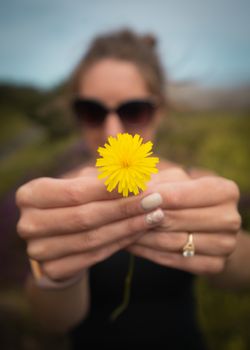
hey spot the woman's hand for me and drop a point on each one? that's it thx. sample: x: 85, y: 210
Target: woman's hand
x: 205, y: 207
x: 71, y: 224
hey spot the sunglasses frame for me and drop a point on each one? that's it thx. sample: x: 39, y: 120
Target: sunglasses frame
x: 150, y: 102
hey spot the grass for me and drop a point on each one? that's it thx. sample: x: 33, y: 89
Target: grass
x: 217, y: 141
x: 224, y: 317
x: 36, y: 157
x: 12, y: 126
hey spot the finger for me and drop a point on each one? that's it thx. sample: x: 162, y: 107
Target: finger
x: 198, y: 264
x: 44, y: 222
x: 51, y: 193
x: 70, y: 265
x: 202, y: 192
x: 81, y: 171
x: 205, y: 244
x: 172, y: 174
x: 223, y: 218
x: 54, y: 247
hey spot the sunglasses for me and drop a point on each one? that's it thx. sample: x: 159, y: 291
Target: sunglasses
x: 132, y: 112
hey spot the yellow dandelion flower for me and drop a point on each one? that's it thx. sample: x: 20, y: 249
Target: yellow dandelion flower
x: 126, y: 163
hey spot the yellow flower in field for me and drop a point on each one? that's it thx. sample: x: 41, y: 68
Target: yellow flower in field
x: 126, y: 163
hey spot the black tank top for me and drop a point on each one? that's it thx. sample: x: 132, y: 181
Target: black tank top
x: 161, y: 313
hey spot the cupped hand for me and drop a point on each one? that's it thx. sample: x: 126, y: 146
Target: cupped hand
x: 205, y: 207
x: 71, y: 224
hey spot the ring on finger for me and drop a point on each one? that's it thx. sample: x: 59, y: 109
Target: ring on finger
x: 189, y: 249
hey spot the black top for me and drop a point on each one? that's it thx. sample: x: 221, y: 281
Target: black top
x: 161, y: 309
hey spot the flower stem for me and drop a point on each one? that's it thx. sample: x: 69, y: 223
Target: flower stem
x: 127, y: 290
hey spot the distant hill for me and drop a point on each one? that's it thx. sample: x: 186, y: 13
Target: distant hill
x: 19, y: 97
x: 182, y: 95
x: 189, y: 95
x: 45, y: 108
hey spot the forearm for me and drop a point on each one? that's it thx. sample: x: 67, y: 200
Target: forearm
x: 60, y: 309
x: 236, y: 275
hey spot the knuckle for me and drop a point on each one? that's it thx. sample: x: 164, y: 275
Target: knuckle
x: 218, y: 266
x: 233, y: 222
x: 40, y: 182
x: 21, y: 229
x: 96, y: 256
x: 51, y: 270
x: 81, y: 218
x: 161, y: 241
x: 233, y: 190
x: 180, y: 240
x: 21, y: 195
x: 132, y: 226
x: 165, y: 241
x: 25, y: 193
x: 116, y: 246
x: 126, y: 241
x: 173, y: 196
x: 87, y: 260
x: 36, y: 251
x: 219, y: 184
x: 34, y: 185
x: 214, y: 266
x: 163, y: 260
x: 228, y: 245
x: 125, y: 209
x: 88, y: 241
x: 236, y: 222
x: 228, y: 219
x: 170, y: 220
x: 85, y: 264
x: 178, y: 174
x: 210, y: 182
x: 73, y: 192
x: 25, y: 228
x: 129, y: 226
x: 214, y: 184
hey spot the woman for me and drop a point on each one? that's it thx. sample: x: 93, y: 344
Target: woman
x: 82, y: 236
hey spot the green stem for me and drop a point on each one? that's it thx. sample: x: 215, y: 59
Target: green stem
x: 127, y: 290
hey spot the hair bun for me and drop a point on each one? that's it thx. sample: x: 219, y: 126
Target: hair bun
x: 150, y: 40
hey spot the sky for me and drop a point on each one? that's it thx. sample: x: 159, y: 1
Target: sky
x: 206, y: 41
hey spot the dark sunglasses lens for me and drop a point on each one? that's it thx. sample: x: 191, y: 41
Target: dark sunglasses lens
x: 136, y: 112
x: 90, y: 113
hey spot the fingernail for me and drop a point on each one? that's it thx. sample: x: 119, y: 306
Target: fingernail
x: 155, y: 217
x: 152, y: 201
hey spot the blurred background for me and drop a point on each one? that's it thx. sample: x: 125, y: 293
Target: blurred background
x: 205, y: 48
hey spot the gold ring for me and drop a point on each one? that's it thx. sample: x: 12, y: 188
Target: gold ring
x: 189, y: 249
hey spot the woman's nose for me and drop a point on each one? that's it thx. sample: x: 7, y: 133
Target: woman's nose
x: 112, y: 125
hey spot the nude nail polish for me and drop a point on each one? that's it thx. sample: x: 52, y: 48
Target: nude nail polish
x: 152, y: 201
x: 155, y: 217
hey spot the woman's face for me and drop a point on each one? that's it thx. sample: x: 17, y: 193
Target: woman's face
x: 113, y: 82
